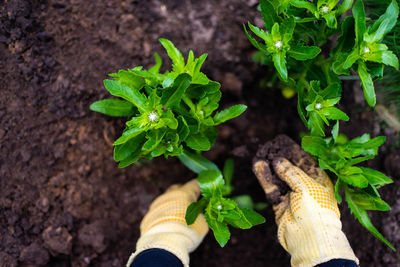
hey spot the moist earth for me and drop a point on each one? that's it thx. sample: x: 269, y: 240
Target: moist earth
x: 64, y: 202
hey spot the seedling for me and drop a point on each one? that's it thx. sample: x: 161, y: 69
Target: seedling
x: 219, y: 210
x: 174, y: 114
x: 299, y: 42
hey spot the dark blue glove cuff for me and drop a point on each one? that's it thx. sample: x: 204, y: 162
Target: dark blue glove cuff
x: 156, y: 257
x: 338, y: 263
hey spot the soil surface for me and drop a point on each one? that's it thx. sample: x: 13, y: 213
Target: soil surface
x: 64, y: 202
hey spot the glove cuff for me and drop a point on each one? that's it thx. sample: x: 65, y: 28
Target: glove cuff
x: 175, y: 237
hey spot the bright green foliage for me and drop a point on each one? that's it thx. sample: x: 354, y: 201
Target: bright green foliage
x: 341, y: 159
x: 174, y: 114
x: 169, y: 112
x: 368, y: 47
x: 278, y: 44
x: 321, y: 109
x: 218, y: 210
x: 387, y: 88
x: 304, y: 29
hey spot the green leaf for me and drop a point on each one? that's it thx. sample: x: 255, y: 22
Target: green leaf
x: 211, y: 133
x: 346, y: 5
x: 171, y: 97
x: 304, y: 4
x: 268, y: 14
x: 355, y: 161
x: 220, y: 230
x: 159, y: 150
x: 300, y: 52
x: 357, y: 180
x: 335, y: 131
x: 229, y: 113
x: 280, y: 65
x: 350, y: 170
x: 194, y: 210
x: 338, y: 65
x: 368, y: 202
x: 253, y: 41
x: 253, y: 217
x: 113, y: 107
x: 359, y: 19
x: 300, y: 102
x: 153, y: 139
x: 368, y: 85
x: 375, y: 178
x: 183, y: 129
x: 124, y: 150
x: 338, y: 188
x: 385, y: 57
x: 384, y: 24
x: 132, y: 158
x: 127, y: 135
x: 244, y: 201
x: 314, y: 145
x: 325, y: 166
x: 260, y: 33
x: 275, y: 34
x: 198, y: 142
x: 363, y: 218
x: 168, y: 118
x: 229, y: 166
x: 374, y: 143
x: 345, y: 42
x: 333, y: 113
x: 178, y: 62
x: 287, y: 28
x: 316, y: 124
x: 211, y: 182
x: 351, y: 59
x: 156, y: 67
x: 134, y: 96
x: 199, y: 91
x: 130, y: 79
x: 196, y: 162
x: 331, y: 21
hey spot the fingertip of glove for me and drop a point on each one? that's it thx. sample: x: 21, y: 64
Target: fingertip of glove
x: 281, y: 164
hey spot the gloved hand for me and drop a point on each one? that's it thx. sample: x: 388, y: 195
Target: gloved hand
x: 308, y: 217
x: 164, y: 226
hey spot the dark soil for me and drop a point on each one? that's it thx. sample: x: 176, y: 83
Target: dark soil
x: 64, y: 202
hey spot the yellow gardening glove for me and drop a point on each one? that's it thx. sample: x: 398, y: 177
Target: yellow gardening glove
x: 308, y: 217
x: 164, y: 226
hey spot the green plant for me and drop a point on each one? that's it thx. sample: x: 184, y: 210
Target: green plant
x: 218, y: 210
x: 174, y: 114
x: 388, y: 88
x: 299, y: 41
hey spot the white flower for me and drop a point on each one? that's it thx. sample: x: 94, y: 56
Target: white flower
x: 318, y: 106
x: 152, y: 116
x: 278, y: 44
x: 366, y: 49
x: 325, y: 9
x: 219, y: 207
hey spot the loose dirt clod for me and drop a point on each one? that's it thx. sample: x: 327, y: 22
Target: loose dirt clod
x: 92, y: 235
x: 58, y: 240
x: 34, y: 254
